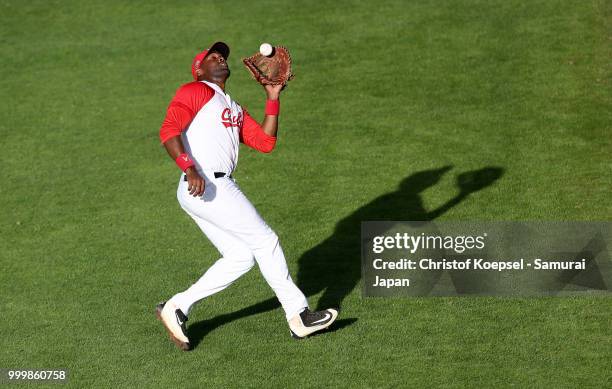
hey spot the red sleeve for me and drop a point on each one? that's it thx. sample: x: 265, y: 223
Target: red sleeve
x: 187, y: 102
x: 253, y: 135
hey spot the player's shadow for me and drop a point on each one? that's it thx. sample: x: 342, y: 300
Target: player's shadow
x: 334, y: 265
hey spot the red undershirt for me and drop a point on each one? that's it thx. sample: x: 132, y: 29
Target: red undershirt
x: 188, y: 101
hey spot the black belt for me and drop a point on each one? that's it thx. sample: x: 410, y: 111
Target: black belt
x: 217, y: 175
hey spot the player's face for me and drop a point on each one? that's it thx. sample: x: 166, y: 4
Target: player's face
x: 214, y: 66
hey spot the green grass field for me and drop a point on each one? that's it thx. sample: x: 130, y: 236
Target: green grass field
x: 92, y: 236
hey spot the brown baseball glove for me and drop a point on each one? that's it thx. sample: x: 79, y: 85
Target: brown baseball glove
x: 272, y: 70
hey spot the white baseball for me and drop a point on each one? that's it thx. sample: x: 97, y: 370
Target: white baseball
x: 265, y: 49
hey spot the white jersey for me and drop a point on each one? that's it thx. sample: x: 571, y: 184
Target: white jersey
x: 213, y: 137
x: 211, y: 126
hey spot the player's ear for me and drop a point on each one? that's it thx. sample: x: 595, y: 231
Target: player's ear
x: 199, y: 73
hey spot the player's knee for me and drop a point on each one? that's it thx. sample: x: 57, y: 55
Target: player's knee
x: 271, y: 239
x: 265, y: 240
x: 248, y: 261
x: 242, y: 255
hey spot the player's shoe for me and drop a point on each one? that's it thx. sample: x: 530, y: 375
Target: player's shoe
x: 174, y: 320
x: 308, y: 322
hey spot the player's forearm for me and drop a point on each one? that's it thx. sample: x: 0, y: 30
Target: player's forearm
x: 270, y: 125
x: 174, y: 147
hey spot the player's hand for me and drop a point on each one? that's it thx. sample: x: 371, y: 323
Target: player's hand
x: 196, y: 182
x: 273, y: 91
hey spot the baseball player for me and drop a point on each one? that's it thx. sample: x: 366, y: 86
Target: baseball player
x: 202, y: 132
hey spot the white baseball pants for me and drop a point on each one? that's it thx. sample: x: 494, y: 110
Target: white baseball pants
x: 242, y: 237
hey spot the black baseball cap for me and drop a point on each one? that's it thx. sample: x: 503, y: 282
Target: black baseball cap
x: 219, y: 47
